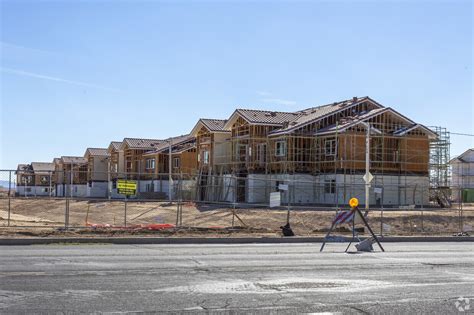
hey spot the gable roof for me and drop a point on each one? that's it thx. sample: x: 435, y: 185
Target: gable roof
x: 73, y: 160
x: 42, y: 167
x: 290, y: 121
x: 176, y: 143
x: 97, y: 152
x: 115, y: 145
x: 183, y: 147
x: 24, y: 167
x: 144, y: 144
x: 213, y: 125
x: 313, y: 114
x: 462, y: 157
x: 349, y: 122
x: 262, y: 117
x: 404, y: 131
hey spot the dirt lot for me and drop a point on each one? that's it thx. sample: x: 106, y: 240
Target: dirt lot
x: 41, y: 217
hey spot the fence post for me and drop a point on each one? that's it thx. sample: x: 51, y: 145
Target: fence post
x: 125, y: 213
x: 422, y: 208
x: 234, y: 198
x: 50, y: 183
x: 461, y: 227
x: 181, y: 201
x: 288, y: 205
x: 381, y: 221
x: 179, y: 215
x: 66, y: 214
x: 9, y: 195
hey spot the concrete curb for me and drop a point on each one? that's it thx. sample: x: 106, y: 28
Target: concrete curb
x: 196, y: 240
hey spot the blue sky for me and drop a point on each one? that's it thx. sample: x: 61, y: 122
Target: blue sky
x: 78, y: 74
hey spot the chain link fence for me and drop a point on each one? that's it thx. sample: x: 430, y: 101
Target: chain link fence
x: 70, y: 200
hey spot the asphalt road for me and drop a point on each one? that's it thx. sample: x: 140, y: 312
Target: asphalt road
x: 408, y: 278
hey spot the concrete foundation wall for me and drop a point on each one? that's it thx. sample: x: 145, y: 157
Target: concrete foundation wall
x: 65, y: 190
x: 33, y: 191
x: 97, y: 190
x: 301, y: 188
x: 337, y: 189
x: 188, y: 187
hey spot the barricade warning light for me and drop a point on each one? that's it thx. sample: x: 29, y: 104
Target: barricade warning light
x: 354, y: 202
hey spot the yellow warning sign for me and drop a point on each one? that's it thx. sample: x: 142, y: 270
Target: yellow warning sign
x: 127, y: 187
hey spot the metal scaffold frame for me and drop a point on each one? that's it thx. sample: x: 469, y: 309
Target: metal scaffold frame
x: 439, y: 170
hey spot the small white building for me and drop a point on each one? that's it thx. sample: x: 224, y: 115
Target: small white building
x: 462, y: 180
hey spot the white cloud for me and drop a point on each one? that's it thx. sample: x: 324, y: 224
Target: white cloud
x: 50, y: 78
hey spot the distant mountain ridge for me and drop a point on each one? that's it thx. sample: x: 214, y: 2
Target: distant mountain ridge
x: 4, y: 184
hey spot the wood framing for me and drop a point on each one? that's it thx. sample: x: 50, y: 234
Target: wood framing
x: 98, y: 160
x: 133, y: 150
x: 183, y: 158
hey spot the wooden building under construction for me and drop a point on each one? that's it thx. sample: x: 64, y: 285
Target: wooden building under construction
x: 320, y: 153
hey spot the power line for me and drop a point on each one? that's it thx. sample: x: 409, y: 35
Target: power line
x: 462, y: 134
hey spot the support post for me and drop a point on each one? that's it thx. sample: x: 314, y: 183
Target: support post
x: 125, y: 213
x: 66, y: 214
x: 9, y: 195
x: 422, y: 208
x: 327, y: 235
x: 170, y: 179
x: 381, y: 222
x: 50, y: 183
x: 288, y: 207
x: 72, y: 179
x: 109, y: 186
x: 367, y: 166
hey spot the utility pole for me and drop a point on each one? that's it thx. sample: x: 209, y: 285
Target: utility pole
x: 368, y: 176
x: 367, y: 167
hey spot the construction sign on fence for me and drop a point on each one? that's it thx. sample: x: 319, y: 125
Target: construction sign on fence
x: 127, y: 187
x: 275, y: 199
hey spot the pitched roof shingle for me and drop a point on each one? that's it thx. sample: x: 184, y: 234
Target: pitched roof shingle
x: 24, y: 167
x: 266, y: 117
x: 42, y: 167
x: 73, y: 160
x: 312, y: 114
x: 97, y: 152
x: 115, y: 145
x: 214, y: 125
x: 177, y: 143
x: 137, y: 143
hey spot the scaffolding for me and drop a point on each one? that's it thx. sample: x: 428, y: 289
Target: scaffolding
x: 440, y: 172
